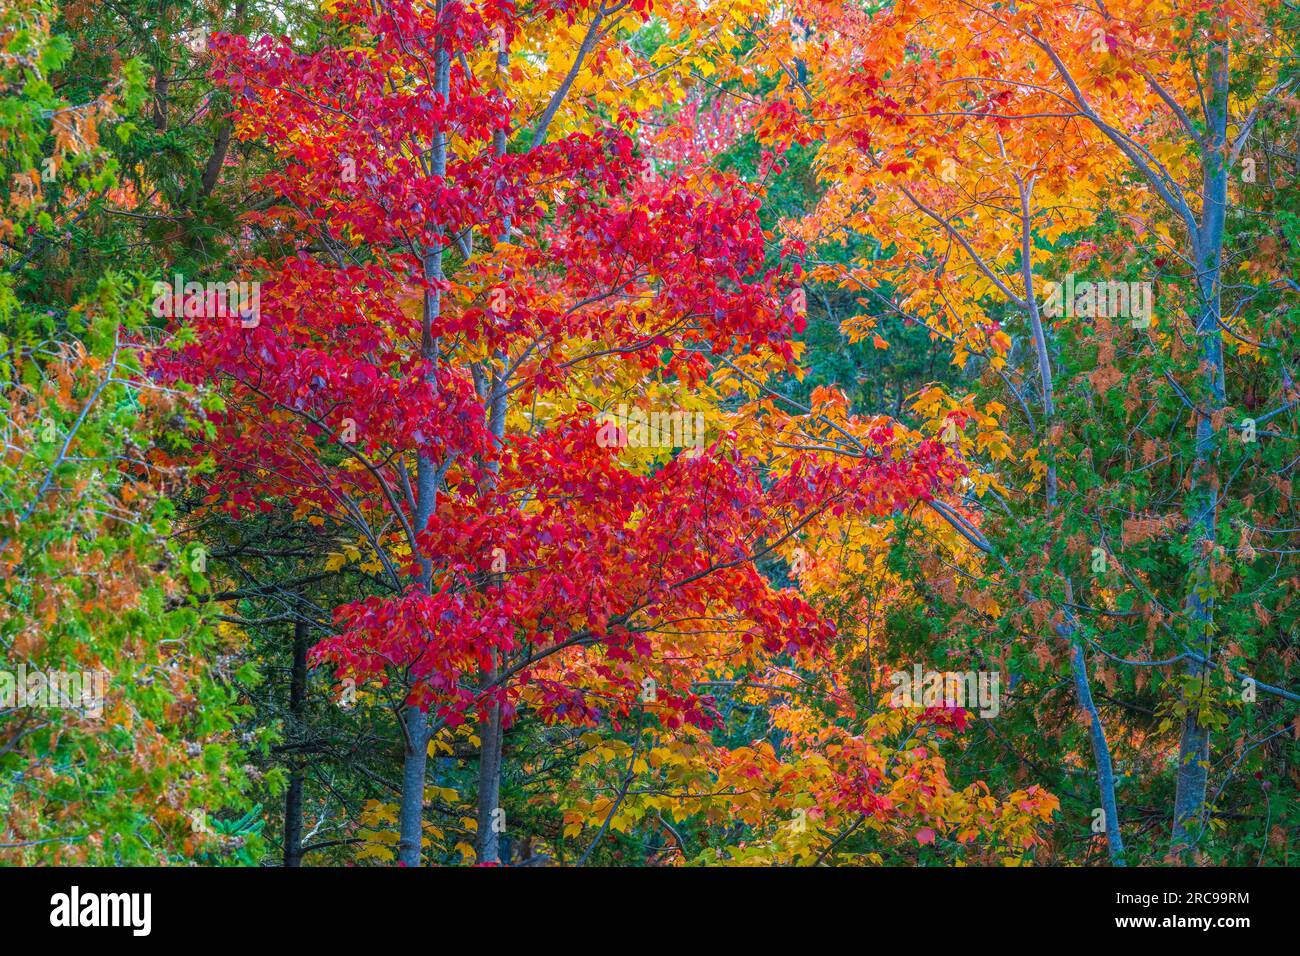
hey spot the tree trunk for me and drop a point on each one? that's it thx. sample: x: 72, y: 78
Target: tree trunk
x: 427, y: 479
x: 411, y: 814
x: 1194, y: 744
x: 487, y: 842
x: 1100, y: 754
x: 297, y: 704
x: 1078, y: 660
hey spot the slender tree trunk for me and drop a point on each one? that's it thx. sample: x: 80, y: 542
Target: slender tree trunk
x: 1067, y: 630
x: 487, y: 842
x: 217, y: 159
x: 1100, y: 753
x: 491, y: 824
x: 293, y: 820
x: 297, y: 704
x: 411, y: 813
x: 212, y: 171
x: 427, y: 479
x: 1194, y: 744
x: 161, y: 88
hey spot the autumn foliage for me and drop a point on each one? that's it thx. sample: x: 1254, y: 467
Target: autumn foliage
x: 630, y: 398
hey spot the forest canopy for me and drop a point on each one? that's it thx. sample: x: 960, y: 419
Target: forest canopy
x: 649, y: 432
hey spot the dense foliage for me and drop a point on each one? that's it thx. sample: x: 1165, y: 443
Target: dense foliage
x: 650, y: 432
